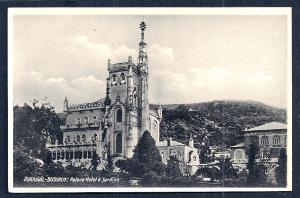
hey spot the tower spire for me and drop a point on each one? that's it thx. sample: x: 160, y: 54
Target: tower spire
x: 143, y: 58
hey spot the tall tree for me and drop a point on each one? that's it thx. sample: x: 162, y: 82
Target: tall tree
x: 146, y: 158
x: 281, y: 170
x: 256, y: 171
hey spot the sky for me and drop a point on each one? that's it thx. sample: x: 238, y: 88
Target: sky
x: 191, y: 58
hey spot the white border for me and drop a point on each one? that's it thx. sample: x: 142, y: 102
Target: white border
x: 146, y: 11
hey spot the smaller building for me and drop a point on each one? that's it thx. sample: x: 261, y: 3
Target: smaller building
x: 238, y: 157
x: 187, y: 155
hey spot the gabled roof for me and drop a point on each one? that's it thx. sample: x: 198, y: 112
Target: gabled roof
x: 240, y: 145
x: 268, y: 127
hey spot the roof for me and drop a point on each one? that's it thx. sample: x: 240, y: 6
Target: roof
x: 240, y: 145
x: 173, y: 143
x: 268, y: 127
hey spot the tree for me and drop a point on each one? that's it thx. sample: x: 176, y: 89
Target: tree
x: 172, y: 170
x: 256, y: 172
x: 227, y: 170
x: 281, y: 170
x: 146, y: 158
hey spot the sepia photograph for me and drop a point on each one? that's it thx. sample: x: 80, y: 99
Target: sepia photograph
x: 145, y: 99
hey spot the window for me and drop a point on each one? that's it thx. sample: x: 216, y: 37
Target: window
x: 122, y: 76
x: 68, y: 138
x: 119, y: 143
x: 86, y: 120
x: 114, y: 77
x: 154, y: 126
x: 67, y: 154
x: 95, y: 119
x: 78, y: 138
x: 264, y: 140
x: 195, y: 158
x: 71, y: 154
x: 83, y: 138
x: 162, y: 156
x: 89, y: 154
x: 84, y: 154
x: 62, y: 154
x: 80, y: 154
x: 54, y: 155
x: 78, y: 121
x: 276, y: 140
x: 174, y: 154
x: 58, y: 155
x: 95, y: 137
x: 190, y: 155
x: 119, y: 115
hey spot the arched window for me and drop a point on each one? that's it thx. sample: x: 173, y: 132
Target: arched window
x: 95, y: 137
x: 114, y: 77
x: 58, y: 154
x: 264, y: 140
x: 238, y: 154
x: 71, y: 154
x: 80, y: 154
x: 195, y: 158
x: 174, y: 154
x: 62, y: 154
x: 68, y: 138
x: 190, y: 155
x: 67, y: 155
x: 95, y: 119
x: 119, y: 143
x: 276, y: 140
x: 78, y: 138
x: 84, y: 154
x: 83, y: 138
x: 119, y: 115
x: 54, y: 155
x: 122, y: 76
x: 89, y: 154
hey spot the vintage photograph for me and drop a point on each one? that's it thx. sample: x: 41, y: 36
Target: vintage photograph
x: 112, y: 100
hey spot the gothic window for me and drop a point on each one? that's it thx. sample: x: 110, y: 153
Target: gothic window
x: 276, y: 140
x: 119, y: 143
x: 83, y: 138
x: 264, y: 140
x: 78, y: 138
x: 89, y: 154
x: 119, y: 115
x: 68, y: 138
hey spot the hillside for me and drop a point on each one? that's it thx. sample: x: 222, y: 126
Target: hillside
x: 220, y: 121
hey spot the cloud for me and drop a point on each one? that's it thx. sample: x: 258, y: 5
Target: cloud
x: 212, y: 83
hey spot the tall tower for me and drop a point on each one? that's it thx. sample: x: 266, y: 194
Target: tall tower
x: 143, y: 82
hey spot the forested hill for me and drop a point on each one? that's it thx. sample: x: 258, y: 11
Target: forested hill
x: 220, y: 121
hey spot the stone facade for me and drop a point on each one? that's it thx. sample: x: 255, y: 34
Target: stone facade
x: 116, y: 122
